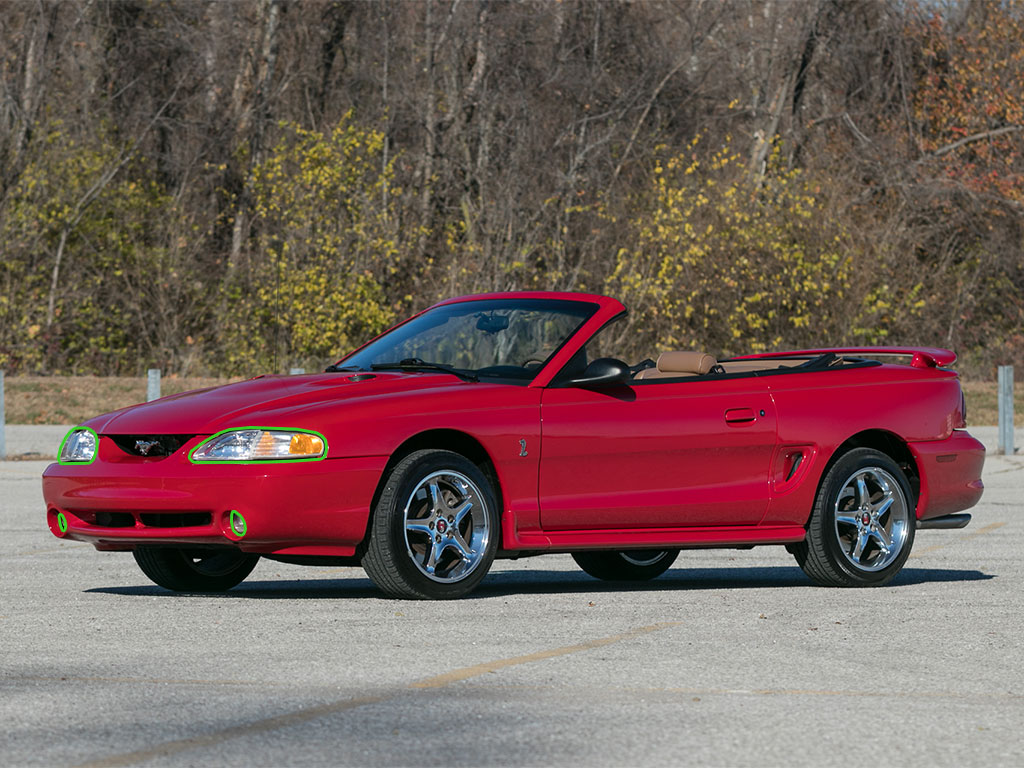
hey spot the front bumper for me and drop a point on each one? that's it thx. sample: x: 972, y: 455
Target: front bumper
x: 303, y: 508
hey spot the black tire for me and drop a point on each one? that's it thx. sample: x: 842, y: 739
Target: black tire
x: 435, y: 529
x: 629, y: 565
x: 195, y: 570
x: 862, y: 526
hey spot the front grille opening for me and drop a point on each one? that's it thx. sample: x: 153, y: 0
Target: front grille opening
x: 114, y: 520
x: 175, y: 519
x: 146, y: 519
x: 150, y: 446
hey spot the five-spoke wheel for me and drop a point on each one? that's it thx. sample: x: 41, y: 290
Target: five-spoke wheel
x: 862, y: 527
x: 435, y: 529
x: 871, y: 519
x: 446, y: 528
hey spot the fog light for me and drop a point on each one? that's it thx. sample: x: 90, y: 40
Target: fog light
x: 238, y: 525
x: 58, y: 523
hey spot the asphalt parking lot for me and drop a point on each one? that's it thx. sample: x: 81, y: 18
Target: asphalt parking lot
x: 731, y: 658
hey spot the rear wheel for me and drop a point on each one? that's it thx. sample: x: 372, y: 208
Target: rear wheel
x: 862, y: 527
x: 195, y: 570
x: 627, y: 565
x: 435, y: 529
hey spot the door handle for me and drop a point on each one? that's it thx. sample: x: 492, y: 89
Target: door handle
x: 739, y: 415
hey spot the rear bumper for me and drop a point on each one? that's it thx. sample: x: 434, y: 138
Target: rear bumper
x: 950, y: 474
x: 309, y: 508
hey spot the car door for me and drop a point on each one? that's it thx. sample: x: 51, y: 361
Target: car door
x: 658, y: 454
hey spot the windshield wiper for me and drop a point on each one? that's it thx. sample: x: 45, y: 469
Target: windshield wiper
x: 341, y: 368
x: 415, y: 364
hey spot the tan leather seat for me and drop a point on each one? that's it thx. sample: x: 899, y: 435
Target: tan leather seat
x: 673, y: 365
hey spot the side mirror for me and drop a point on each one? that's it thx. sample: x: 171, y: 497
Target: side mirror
x: 602, y: 373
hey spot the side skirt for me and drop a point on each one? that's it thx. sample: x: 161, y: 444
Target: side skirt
x: 650, y: 538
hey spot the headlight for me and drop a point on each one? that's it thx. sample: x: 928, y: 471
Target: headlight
x: 260, y: 444
x: 78, y: 446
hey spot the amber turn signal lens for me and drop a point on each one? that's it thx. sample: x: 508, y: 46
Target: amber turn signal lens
x: 306, y: 445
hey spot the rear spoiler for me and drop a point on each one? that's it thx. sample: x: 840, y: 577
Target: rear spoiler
x: 921, y: 357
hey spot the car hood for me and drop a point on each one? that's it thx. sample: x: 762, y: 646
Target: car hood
x: 271, y: 401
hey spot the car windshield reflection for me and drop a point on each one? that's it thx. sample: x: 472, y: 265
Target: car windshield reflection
x: 499, y: 338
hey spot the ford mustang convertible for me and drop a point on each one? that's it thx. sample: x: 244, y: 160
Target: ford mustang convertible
x: 505, y: 425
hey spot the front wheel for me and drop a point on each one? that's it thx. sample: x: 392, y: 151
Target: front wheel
x: 435, y: 529
x: 195, y: 570
x: 862, y: 527
x: 627, y: 565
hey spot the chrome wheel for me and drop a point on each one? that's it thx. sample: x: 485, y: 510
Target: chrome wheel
x: 871, y: 519
x: 435, y: 529
x: 446, y: 526
x: 861, y: 529
x: 646, y: 557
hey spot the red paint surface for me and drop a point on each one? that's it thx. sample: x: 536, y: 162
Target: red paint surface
x: 691, y: 462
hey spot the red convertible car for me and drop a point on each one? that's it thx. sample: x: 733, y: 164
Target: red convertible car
x: 504, y: 425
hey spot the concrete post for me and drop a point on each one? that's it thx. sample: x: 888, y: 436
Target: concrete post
x: 3, y: 420
x: 153, y: 385
x: 1005, y: 410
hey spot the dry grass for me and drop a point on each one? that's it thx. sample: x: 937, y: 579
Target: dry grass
x: 73, y: 399
x: 983, y: 402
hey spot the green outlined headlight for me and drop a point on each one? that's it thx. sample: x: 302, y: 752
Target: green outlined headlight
x: 261, y: 444
x: 78, y: 447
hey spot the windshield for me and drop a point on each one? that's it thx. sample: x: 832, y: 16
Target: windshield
x: 499, y: 338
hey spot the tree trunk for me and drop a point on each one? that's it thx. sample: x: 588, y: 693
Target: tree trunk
x: 256, y: 116
x: 55, y: 275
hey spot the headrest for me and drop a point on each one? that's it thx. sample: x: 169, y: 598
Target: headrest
x: 686, y: 362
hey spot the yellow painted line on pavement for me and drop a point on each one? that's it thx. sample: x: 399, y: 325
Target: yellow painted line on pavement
x: 493, y: 666
x: 176, y: 746
x: 980, y: 532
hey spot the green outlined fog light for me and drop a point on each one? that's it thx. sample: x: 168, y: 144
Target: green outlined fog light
x: 238, y: 525
x: 57, y: 522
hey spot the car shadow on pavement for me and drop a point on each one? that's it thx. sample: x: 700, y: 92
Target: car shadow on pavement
x: 537, y: 582
x: 292, y: 589
x: 910, y: 576
x: 694, y: 579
